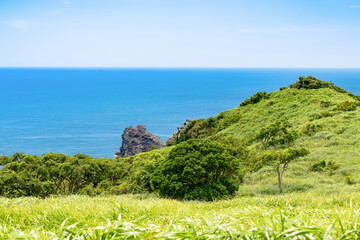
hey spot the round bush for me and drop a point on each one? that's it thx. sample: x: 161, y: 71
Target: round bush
x: 197, y: 169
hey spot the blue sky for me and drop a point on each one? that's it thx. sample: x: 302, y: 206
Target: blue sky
x: 181, y: 33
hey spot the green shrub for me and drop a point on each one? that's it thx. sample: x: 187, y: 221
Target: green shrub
x: 325, y: 104
x: 233, y: 146
x: 348, y: 180
x: 198, y: 169
x: 321, y: 115
x: 323, y: 166
x: 310, y: 82
x: 311, y: 129
x: 283, y: 88
x: 203, y: 128
x: 153, y: 148
x: 255, y: 98
x: 197, y: 129
x: 227, y: 121
x: 332, y: 166
x: 318, y: 166
x: 346, y: 106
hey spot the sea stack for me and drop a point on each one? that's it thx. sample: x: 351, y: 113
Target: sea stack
x: 137, y: 140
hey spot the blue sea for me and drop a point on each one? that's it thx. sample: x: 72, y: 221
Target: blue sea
x: 86, y: 110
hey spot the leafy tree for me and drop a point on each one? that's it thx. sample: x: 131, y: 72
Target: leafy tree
x: 24, y: 175
x: 275, y: 134
x: 198, y: 169
x: 280, y: 159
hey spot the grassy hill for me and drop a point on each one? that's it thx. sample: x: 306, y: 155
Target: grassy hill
x: 326, y: 120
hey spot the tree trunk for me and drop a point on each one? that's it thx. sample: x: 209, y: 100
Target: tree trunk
x: 279, y: 179
x: 280, y: 174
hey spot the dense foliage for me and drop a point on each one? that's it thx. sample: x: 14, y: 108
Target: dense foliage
x: 346, y: 106
x: 55, y: 173
x: 255, y: 98
x: 198, y: 170
x: 275, y: 134
x: 311, y: 82
x: 203, y: 128
x: 323, y: 166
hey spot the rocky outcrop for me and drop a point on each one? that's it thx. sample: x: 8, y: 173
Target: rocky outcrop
x: 179, y: 129
x: 137, y: 140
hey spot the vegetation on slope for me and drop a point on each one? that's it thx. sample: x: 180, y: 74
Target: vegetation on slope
x: 319, y: 116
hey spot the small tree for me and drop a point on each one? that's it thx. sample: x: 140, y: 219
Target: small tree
x: 281, y: 158
x: 198, y: 169
x: 275, y: 134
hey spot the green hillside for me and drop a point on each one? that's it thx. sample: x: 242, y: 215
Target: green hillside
x: 329, y: 133
x: 325, y: 119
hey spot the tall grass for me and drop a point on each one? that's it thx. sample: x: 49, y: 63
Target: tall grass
x: 288, y: 216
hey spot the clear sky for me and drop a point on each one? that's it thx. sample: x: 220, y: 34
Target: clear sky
x: 180, y: 33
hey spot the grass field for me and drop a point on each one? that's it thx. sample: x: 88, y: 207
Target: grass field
x: 287, y: 216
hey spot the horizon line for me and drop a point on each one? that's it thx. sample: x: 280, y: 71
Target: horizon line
x: 180, y: 68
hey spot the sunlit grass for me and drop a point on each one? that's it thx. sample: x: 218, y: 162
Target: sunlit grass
x: 148, y: 217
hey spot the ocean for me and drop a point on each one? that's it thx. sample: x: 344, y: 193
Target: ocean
x: 86, y: 110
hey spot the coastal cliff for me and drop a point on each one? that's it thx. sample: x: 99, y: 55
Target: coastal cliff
x: 137, y: 140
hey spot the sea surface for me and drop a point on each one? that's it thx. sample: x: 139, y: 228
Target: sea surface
x: 86, y: 110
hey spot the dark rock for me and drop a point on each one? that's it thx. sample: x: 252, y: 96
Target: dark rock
x: 179, y: 129
x: 137, y: 140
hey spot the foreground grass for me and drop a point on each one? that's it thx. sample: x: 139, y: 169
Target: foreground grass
x: 285, y: 216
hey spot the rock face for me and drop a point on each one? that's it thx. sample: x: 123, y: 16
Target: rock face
x: 179, y: 129
x: 137, y: 140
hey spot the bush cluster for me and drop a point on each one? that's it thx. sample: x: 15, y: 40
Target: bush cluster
x: 323, y: 166
x: 255, y: 98
x: 202, y: 128
x: 55, y: 173
x: 311, y: 82
x: 325, y: 104
x: 320, y: 115
x: 346, y: 106
x: 198, y: 169
x: 311, y: 129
